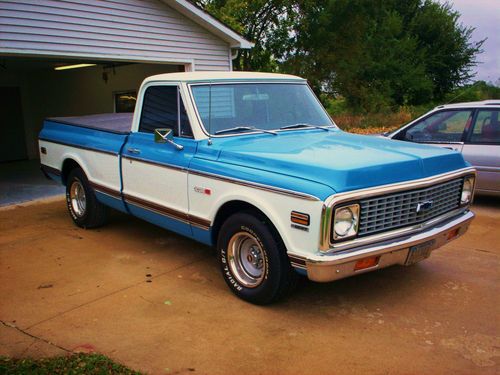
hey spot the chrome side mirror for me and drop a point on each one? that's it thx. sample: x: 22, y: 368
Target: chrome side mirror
x: 166, y: 135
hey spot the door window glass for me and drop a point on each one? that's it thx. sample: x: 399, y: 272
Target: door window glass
x: 444, y: 126
x: 487, y: 127
x: 163, y: 108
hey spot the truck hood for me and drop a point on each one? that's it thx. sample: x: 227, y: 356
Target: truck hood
x: 337, y: 159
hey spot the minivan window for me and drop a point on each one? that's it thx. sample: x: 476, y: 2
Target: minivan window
x: 487, y: 127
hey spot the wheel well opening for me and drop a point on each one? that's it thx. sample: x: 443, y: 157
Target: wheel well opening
x: 68, y: 166
x: 230, y: 208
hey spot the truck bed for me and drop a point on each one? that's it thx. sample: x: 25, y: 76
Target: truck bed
x: 118, y: 123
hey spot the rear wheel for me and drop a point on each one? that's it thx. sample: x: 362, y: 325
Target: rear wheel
x: 253, y: 259
x: 83, y: 206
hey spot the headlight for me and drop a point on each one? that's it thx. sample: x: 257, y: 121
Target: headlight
x: 345, y: 222
x: 467, y: 190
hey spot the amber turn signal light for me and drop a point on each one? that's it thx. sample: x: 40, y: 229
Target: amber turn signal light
x: 366, y: 263
x: 300, y: 218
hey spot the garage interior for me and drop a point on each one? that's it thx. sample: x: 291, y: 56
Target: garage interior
x: 32, y: 89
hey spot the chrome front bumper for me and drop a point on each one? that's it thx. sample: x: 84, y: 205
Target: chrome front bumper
x: 334, y: 266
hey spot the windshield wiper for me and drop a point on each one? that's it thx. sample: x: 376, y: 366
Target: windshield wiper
x: 304, y: 125
x: 244, y: 128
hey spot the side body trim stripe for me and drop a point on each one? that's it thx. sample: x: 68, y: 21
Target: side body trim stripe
x: 174, y: 214
x: 255, y: 185
x: 105, y: 190
x: 231, y: 180
x: 80, y: 147
x: 164, y: 165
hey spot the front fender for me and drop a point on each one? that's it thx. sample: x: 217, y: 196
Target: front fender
x: 276, y: 206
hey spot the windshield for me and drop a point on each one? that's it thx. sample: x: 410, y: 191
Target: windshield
x: 234, y: 108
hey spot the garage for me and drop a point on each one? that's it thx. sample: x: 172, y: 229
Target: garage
x: 66, y: 58
x: 33, y: 89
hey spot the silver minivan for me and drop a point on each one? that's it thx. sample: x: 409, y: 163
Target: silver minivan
x: 471, y: 128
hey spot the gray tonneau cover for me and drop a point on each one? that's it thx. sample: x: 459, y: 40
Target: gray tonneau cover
x: 119, y: 123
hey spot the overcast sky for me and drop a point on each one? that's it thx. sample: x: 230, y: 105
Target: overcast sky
x: 484, y: 15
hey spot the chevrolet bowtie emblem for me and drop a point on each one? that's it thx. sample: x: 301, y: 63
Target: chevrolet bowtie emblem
x: 424, y: 206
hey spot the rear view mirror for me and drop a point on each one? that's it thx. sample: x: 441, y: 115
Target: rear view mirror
x: 163, y: 135
x: 166, y: 135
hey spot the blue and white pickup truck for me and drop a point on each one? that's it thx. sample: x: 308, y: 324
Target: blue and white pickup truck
x: 251, y: 163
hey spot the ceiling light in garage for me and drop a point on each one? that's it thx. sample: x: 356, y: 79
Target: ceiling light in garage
x: 73, y: 66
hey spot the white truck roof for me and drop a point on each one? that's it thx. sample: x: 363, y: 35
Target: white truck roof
x: 213, y: 76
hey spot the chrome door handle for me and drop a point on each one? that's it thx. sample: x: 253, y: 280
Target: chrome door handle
x: 134, y: 150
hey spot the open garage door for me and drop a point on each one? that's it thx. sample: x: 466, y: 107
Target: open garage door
x: 33, y: 89
x: 13, y: 142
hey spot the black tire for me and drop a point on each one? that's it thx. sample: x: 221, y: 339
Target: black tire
x: 275, y: 280
x: 93, y: 213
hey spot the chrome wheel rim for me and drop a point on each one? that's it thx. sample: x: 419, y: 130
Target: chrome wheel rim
x: 246, y: 259
x: 77, y: 198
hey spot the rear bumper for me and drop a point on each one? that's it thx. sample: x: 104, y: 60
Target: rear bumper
x: 330, y: 267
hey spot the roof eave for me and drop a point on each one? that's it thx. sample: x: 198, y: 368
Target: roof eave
x: 210, y: 23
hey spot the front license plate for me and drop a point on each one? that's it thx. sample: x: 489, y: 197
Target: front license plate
x: 419, y: 252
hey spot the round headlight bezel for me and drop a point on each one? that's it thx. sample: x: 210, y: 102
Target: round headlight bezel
x: 345, y: 222
x: 467, y: 190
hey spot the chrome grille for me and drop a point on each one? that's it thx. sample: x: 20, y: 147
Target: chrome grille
x: 400, y: 209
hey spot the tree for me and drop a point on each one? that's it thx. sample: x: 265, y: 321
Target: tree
x: 361, y: 50
x: 377, y: 54
x: 479, y: 90
x: 383, y: 53
x: 449, y: 53
x: 266, y: 23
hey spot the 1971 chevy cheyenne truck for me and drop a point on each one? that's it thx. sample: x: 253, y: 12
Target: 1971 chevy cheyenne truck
x: 251, y: 163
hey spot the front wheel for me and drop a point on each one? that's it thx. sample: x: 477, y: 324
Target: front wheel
x: 83, y: 206
x: 253, y: 259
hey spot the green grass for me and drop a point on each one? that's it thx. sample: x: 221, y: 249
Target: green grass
x: 72, y: 364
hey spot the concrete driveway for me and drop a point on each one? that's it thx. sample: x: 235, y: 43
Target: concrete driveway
x: 23, y: 181
x: 156, y: 302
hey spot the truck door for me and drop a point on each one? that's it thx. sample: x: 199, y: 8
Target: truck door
x: 155, y: 174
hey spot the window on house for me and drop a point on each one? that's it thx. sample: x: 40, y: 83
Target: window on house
x: 125, y: 101
x: 163, y: 108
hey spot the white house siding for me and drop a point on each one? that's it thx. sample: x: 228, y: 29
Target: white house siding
x: 124, y: 29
